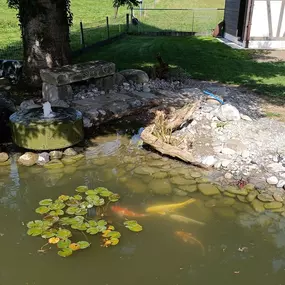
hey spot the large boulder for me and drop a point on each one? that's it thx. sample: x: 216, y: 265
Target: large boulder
x: 135, y: 75
x: 7, y: 108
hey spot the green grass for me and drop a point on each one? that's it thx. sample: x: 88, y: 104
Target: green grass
x: 93, y: 14
x: 200, y: 57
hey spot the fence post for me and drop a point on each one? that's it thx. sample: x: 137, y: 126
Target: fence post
x: 108, y: 27
x: 193, y: 21
x: 82, y: 35
x: 127, y: 23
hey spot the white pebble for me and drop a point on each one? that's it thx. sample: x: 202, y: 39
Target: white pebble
x: 272, y: 180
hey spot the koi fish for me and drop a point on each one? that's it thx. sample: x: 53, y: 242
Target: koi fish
x: 186, y: 220
x: 189, y: 238
x: 162, y: 209
x: 124, y: 212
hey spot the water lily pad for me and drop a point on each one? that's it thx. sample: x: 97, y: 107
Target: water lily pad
x: 80, y: 227
x: 62, y: 233
x: 35, y: 231
x: 57, y: 206
x: 81, y: 189
x: 105, y: 193
x: 64, y: 243
x: 63, y: 198
x: 42, y: 210
x: 114, y: 241
x: 92, y: 223
x: 101, y: 223
x: 90, y: 192
x: 92, y: 230
x: 78, y: 197
x: 65, y: 252
x: 133, y: 226
x: 49, y: 233
x: 45, y: 202
x: 114, y: 197
x: 95, y: 200
x: 83, y: 244
x: 65, y: 221
x: 56, y: 213
x: 71, y: 210
x: 99, y: 190
x: 51, y: 219
x: 112, y: 234
x: 74, y: 246
x: 72, y: 202
x: 81, y: 212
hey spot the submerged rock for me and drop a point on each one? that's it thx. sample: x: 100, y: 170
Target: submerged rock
x: 208, y: 189
x: 189, y: 188
x: 258, y: 206
x: 144, y: 170
x: 265, y: 197
x: 3, y: 156
x: 160, y: 175
x: 54, y: 164
x: 136, y: 185
x: 273, y: 205
x: 237, y: 191
x: 179, y: 192
x: 28, y: 159
x: 68, y: 160
x: 160, y: 186
x: 251, y: 196
x: 5, y: 163
x: 179, y: 180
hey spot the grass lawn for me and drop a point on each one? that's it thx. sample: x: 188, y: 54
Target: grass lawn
x: 93, y: 14
x: 201, y: 57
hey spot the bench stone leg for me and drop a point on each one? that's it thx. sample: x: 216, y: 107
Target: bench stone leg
x: 104, y: 83
x: 52, y: 93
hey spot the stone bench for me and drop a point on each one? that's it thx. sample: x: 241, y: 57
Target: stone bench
x: 56, y: 81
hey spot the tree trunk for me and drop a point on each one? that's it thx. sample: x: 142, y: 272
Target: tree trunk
x: 45, y: 31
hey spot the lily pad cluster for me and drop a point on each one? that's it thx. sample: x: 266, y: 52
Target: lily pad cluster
x: 67, y: 215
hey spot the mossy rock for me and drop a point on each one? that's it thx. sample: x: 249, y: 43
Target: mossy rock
x: 78, y: 156
x: 273, y: 205
x: 99, y: 161
x: 278, y: 210
x: 179, y: 180
x: 195, y: 174
x: 144, y: 170
x: 54, y: 164
x: 68, y: 161
x: 203, y: 180
x: 237, y: 191
x: 160, y: 186
x: 5, y: 163
x: 208, y: 189
x: 249, y: 187
x: 160, y: 175
x: 242, y: 198
x: 265, y: 197
x: 252, y: 195
x: 179, y: 192
x: 189, y: 188
x: 228, y: 194
x: 258, y: 206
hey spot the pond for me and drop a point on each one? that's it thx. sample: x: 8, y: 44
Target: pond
x: 229, y: 242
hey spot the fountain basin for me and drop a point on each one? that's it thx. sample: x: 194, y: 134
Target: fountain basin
x: 31, y: 130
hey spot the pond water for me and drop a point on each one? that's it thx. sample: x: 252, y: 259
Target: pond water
x: 237, y: 245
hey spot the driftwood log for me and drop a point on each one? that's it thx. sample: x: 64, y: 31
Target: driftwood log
x: 175, y: 120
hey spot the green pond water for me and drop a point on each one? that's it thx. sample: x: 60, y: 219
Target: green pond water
x: 241, y: 246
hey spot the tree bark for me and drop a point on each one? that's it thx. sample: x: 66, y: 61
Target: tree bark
x: 45, y: 32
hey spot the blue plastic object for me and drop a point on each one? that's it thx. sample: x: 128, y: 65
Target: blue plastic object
x: 213, y: 96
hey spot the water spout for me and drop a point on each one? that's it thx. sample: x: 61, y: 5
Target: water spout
x: 47, y: 110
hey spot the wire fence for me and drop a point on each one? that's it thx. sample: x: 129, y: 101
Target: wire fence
x: 153, y: 21
x: 196, y: 21
x: 82, y: 35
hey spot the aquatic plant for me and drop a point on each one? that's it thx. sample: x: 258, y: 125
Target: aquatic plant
x: 67, y: 215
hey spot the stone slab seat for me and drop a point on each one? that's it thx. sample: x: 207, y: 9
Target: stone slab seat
x: 56, y: 81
